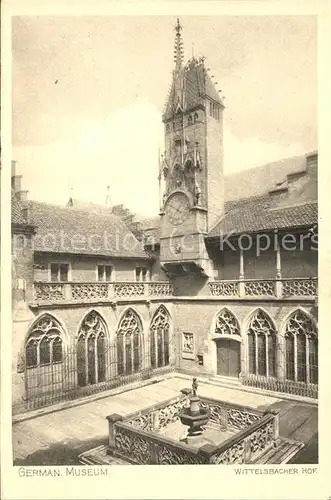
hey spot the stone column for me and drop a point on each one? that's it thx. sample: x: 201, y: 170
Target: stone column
x: 278, y: 270
x: 112, y: 419
x: 275, y: 424
x: 241, y: 274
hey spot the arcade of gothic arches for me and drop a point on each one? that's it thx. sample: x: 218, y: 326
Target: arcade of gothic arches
x: 95, y: 359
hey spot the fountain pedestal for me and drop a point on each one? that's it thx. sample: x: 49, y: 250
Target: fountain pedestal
x: 194, y: 416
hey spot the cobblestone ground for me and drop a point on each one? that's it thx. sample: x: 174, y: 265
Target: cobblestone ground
x: 59, y: 437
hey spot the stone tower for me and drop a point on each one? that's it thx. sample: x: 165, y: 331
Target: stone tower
x: 192, y: 166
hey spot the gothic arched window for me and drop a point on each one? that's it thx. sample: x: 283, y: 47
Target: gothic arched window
x: 128, y: 338
x: 91, y: 350
x: 44, y: 343
x: 159, y: 338
x: 301, y: 348
x: 261, y: 345
x: 189, y: 121
x: 226, y: 323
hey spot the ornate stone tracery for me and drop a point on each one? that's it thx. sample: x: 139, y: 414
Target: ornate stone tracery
x: 44, y: 343
x: 226, y: 323
x: 261, y: 344
x: 301, y: 348
x: 160, y: 338
x: 91, y: 346
x: 129, y: 343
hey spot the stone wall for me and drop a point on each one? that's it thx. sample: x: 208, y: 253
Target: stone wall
x: 197, y: 317
x: 83, y: 268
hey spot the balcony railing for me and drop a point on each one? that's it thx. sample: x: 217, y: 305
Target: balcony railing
x: 89, y: 292
x: 265, y: 288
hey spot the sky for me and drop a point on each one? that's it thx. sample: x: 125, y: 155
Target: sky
x: 89, y: 92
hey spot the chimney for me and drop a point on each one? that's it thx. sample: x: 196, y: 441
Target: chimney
x: 22, y: 195
x: 16, y: 183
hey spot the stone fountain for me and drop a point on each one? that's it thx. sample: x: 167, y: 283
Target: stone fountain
x: 194, y: 416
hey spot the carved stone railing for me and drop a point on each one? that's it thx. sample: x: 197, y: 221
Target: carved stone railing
x: 49, y: 291
x: 157, y: 417
x: 224, y: 288
x: 260, y: 288
x: 129, y: 289
x: 95, y: 291
x: 268, y: 288
x: 141, y: 447
x: 248, y: 444
x: 299, y: 287
x: 280, y: 385
x: 235, y: 416
x: 160, y: 289
x: 138, y: 437
x: 89, y: 291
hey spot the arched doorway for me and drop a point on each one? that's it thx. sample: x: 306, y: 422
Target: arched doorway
x: 227, y: 337
x: 91, y: 347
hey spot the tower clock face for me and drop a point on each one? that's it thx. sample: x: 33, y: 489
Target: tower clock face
x: 177, y: 208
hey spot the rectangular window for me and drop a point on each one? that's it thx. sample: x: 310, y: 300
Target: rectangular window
x: 138, y: 273
x: 105, y: 273
x: 59, y: 272
x: 210, y: 109
x: 142, y: 274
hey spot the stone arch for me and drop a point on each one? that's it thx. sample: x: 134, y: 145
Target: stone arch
x: 44, y: 356
x: 300, y: 340
x: 159, y: 337
x: 226, y: 323
x: 129, y: 342
x: 261, y: 343
x: 91, y: 349
x: 56, y: 318
x: 226, y: 344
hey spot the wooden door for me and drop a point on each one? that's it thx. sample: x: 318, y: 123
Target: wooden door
x: 228, y: 357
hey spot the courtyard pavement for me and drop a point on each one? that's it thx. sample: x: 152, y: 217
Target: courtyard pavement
x: 58, y: 438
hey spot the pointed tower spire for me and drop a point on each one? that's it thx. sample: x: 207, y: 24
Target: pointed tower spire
x: 178, y: 51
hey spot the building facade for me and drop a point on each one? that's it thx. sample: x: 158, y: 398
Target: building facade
x: 216, y: 287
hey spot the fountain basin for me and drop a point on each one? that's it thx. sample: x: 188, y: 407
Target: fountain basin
x: 194, y: 418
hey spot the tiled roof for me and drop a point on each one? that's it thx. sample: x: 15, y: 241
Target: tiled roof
x: 64, y: 230
x: 262, y: 214
x: 294, y: 205
x: 197, y: 84
x: 17, y: 216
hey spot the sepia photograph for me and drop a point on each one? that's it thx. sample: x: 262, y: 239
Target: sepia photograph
x: 164, y: 250
x: 164, y: 219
